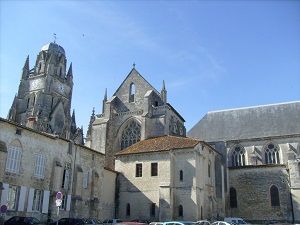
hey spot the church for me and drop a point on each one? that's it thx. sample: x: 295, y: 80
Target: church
x: 137, y: 161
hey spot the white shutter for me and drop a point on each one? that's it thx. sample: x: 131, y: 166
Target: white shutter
x: 46, y: 201
x: 30, y: 200
x: 4, y: 194
x: 22, y: 199
x: 68, y: 203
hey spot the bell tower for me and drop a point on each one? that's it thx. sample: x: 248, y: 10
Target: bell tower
x: 43, y: 102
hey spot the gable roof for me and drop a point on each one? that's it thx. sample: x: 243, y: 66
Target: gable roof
x: 136, y: 74
x: 251, y: 122
x: 158, y: 144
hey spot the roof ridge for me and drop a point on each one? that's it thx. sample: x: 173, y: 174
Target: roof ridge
x: 252, y: 107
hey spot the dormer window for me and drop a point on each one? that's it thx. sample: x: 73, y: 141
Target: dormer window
x: 131, y: 92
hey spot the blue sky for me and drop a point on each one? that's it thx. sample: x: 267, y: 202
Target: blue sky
x: 212, y: 55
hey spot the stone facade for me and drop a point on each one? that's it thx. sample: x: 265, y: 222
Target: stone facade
x: 134, y: 101
x: 182, y: 189
x: 48, y: 164
x: 44, y: 97
x: 260, y: 146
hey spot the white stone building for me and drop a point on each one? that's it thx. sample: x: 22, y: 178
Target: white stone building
x: 168, y: 178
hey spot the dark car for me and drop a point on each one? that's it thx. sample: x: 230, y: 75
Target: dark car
x: 22, y: 220
x: 68, y: 221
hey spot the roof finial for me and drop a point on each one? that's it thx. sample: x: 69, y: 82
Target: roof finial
x: 133, y: 65
x: 54, y: 37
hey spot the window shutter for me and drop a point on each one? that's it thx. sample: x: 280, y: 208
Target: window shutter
x: 22, y: 199
x: 4, y: 194
x: 30, y: 200
x: 68, y: 203
x: 46, y: 201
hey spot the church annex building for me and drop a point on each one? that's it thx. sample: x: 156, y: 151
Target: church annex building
x: 137, y: 160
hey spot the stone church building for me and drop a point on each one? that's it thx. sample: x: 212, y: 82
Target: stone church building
x: 137, y: 160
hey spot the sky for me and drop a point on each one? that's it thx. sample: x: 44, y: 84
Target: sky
x: 212, y: 55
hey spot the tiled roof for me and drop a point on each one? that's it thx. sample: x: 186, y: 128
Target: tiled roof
x: 158, y: 144
x: 251, y: 122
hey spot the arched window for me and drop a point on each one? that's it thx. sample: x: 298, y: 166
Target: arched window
x: 131, y: 92
x: 272, y: 154
x: 181, y: 175
x: 131, y: 134
x: 127, y: 209
x: 238, y: 156
x: 233, y: 198
x: 180, y: 210
x: 274, y: 194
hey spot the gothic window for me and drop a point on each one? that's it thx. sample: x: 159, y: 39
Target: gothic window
x: 13, y: 159
x: 132, y: 92
x: 180, y: 210
x: 13, y: 197
x: 40, y: 165
x: 127, y: 209
x: 131, y: 134
x: 274, y: 194
x: 156, y: 103
x: 154, y: 171
x: 139, y: 170
x: 233, y: 198
x: 209, y: 169
x: 238, y: 156
x: 272, y: 154
x: 37, y: 200
x: 181, y: 175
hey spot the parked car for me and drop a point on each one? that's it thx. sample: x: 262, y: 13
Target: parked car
x: 179, y: 223
x: 112, y: 221
x: 92, y: 221
x: 22, y: 220
x: 131, y: 223
x: 68, y: 221
x: 156, y: 223
x: 203, y: 222
x: 238, y: 221
x: 140, y: 221
x: 220, y: 223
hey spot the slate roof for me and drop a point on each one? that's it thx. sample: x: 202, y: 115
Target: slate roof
x: 158, y: 144
x: 251, y: 122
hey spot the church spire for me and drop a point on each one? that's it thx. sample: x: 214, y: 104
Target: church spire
x: 163, y: 94
x: 104, y: 100
x: 25, y: 73
x: 73, y: 123
x: 70, y: 74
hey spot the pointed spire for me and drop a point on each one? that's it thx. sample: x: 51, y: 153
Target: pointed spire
x: 26, y: 65
x: 163, y: 93
x: 70, y: 74
x: 88, y: 134
x: 104, y: 100
x: 25, y: 73
x: 82, y: 137
x: 73, y: 123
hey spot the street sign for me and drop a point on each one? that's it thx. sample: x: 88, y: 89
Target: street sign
x: 59, y: 195
x: 58, y: 202
x: 3, y: 208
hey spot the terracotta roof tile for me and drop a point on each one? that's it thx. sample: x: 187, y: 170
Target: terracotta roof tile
x: 163, y: 143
